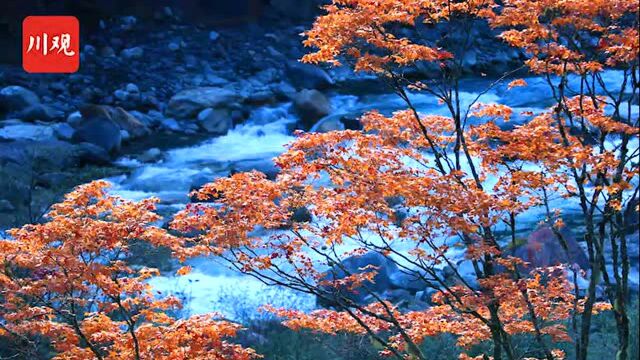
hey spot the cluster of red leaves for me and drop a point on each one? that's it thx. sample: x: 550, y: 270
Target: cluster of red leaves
x: 68, y: 280
x: 459, y: 312
x: 558, y: 34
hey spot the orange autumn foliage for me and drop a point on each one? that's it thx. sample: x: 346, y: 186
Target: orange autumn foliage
x: 412, y: 187
x: 68, y: 280
x: 449, y: 179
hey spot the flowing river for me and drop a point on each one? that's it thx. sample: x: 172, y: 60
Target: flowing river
x: 211, y: 286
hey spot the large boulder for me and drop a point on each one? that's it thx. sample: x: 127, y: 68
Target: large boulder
x: 17, y: 98
x: 544, y: 248
x: 329, y: 123
x: 129, y: 123
x: 53, y: 154
x: 40, y: 112
x: 126, y: 122
x: 307, y: 76
x: 357, y: 264
x: 188, y: 103
x: 311, y: 106
x: 14, y: 130
x: 98, y: 128
x: 215, y: 121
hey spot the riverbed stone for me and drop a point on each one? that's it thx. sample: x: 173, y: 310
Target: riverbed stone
x: 311, y: 106
x: 17, y: 98
x: 101, y: 131
x: 215, y: 121
x: 188, y: 103
x: 19, y: 130
x: 306, y: 76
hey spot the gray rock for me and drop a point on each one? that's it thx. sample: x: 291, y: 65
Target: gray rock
x: 360, y: 264
x: 40, y: 112
x: 147, y: 119
x: 170, y: 124
x: 151, y: 155
x: 52, y: 180
x: 124, y: 135
x: 37, y: 132
x: 132, y: 53
x: 327, y: 124
x: 413, y: 280
x: 306, y: 76
x: 63, y: 131
x: 188, y: 103
x: 311, y: 106
x: 301, y: 215
x: 132, y: 88
x: 543, y: 248
x: 74, y: 119
x: 120, y: 94
x: 101, y: 131
x: 283, y: 90
x: 17, y: 98
x: 87, y: 153
x: 54, y: 154
x: 128, y: 22
x: 216, y: 121
x: 129, y: 123
x: 265, y: 166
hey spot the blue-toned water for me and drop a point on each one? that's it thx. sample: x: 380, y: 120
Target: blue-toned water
x: 252, y: 145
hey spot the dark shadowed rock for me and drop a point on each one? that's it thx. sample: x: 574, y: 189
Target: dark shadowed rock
x: 631, y: 216
x: 40, y: 112
x: 327, y: 124
x: 215, y: 121
x: 301, y: 215
x: 188, y: 103
x: 306, y: 76
x: 129, y: 123
x: 100, y: 131
x: 543, y: 248
x: 311, y: 106
x: 384, y: 267
x: 17, y: 98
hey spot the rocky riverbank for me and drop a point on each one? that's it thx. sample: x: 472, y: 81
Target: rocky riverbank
x: 147, y: 84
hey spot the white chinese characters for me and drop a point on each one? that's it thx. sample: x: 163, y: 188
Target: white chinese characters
x: 49, y: 44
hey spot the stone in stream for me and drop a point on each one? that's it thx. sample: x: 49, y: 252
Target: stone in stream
x: 327, y: 124
x: 128, y: 122
x: 63, y: 131
x: 98, y: 128
x: 306, y: 76
x: 356, y: 264
x: 17, y: 98
x: 215, y: 121
x: 311, y: 106
x: 15, y: 129
x: 543, y: 248
x: 188, y: 103
x: 40, y: 112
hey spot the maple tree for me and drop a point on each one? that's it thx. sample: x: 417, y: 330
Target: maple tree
x: 67, y: 280
x: 415, y: 188
x: 458, y: 184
